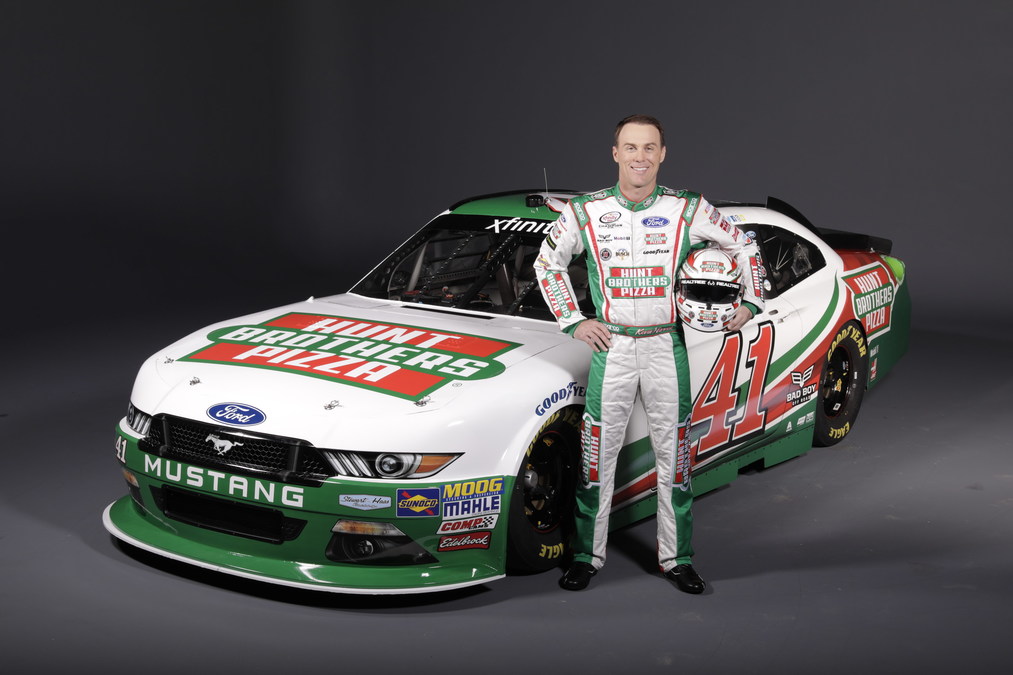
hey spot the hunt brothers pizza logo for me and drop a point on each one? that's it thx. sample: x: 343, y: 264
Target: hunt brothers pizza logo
x: 637, y: 282
x: 873, y: 292
x: 404, y: 361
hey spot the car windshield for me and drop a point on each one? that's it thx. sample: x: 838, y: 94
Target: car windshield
x: 474, y: 262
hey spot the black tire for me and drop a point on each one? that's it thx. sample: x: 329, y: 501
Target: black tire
x: 542, y: 504
x: 843, y: 380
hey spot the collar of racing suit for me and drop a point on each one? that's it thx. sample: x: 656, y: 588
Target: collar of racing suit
x: 636, y: 206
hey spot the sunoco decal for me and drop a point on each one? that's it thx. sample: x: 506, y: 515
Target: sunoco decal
x: 872, y: 297
x: 418, y: 502
x: 396, y: 359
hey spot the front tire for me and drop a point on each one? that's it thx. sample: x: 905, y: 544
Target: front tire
x: 843, y: 381
x: 542, y: 504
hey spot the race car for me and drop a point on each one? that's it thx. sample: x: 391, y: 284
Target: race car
x: 421, y: 432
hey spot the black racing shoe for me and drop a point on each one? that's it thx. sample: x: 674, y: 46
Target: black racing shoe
x: 686, y: 579
x: 577, y: 577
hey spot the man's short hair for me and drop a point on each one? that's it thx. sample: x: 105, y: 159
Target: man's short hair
x: 639, y: 119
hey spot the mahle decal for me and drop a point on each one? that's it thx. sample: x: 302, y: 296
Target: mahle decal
x: 405, y: 361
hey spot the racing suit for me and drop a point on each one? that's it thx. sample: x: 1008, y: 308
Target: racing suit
x: 634, y: 252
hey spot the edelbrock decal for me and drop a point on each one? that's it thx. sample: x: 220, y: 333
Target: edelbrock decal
x: 236, y: 414
x: 397, y: 359
x: 461, y: 542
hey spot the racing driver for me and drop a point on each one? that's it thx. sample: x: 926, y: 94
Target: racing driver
x: 635, y: 237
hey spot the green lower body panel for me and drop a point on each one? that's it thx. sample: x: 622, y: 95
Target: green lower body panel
x: 720, y: 474
x: 125, y: 520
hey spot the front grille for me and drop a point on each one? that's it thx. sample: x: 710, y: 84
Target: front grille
x: 222, y: 515
x: 286, y: 460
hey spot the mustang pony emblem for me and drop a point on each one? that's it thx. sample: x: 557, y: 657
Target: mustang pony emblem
x: 222, y: 445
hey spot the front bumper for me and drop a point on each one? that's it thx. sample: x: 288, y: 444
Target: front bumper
x: 454, y: 533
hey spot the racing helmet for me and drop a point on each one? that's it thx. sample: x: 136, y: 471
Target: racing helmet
x: 709, y: 289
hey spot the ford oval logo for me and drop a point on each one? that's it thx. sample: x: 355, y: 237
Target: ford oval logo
x: 655, y: 221
x: 236, y: 414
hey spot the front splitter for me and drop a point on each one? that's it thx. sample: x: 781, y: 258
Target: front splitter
x: 123, y: 521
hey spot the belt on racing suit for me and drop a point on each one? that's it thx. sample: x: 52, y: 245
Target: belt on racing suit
x: 640, y: 331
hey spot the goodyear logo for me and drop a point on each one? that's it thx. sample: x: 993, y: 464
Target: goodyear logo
x: 418, y: 502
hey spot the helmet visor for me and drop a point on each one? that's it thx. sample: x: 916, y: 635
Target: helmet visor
x: 710, y: 291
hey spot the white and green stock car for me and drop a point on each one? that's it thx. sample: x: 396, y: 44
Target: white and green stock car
x: 420, y: 432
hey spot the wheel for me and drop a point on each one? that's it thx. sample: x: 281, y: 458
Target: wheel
x: 542, y: 504
x: 842, y: 385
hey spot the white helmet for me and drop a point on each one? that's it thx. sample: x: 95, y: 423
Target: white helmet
x: 709, y: 289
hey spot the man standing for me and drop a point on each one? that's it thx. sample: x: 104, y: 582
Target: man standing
x: 635, y: 236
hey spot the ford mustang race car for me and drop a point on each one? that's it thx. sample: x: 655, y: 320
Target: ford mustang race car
x: 421, y: 431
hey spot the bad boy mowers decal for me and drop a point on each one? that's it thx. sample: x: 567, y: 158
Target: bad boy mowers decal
x: 396, y: 359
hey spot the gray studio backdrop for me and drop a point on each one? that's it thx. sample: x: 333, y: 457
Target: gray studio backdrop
x: 211, y: 158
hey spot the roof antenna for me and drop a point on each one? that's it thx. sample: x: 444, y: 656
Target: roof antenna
x: 535, y: 200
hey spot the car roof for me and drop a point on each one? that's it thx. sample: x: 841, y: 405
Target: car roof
x: 538, y: 203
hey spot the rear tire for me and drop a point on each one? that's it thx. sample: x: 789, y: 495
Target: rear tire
x: 843, y: 380
x: 542, y: 504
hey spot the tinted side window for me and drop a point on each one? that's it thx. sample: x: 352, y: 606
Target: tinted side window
x: 787, y: 257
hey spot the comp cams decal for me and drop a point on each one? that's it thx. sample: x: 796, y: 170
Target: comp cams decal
x: 400, y: 360
x: 467, y: 524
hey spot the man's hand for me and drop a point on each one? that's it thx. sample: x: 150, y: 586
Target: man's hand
x: 596, y: 334
x: 739, y: 319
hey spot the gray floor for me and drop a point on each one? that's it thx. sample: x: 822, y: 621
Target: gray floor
x: 888, y: 553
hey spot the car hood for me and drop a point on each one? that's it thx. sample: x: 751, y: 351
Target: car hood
x: 304, y: 366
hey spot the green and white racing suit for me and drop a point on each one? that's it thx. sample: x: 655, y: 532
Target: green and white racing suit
x: 634, y: 251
